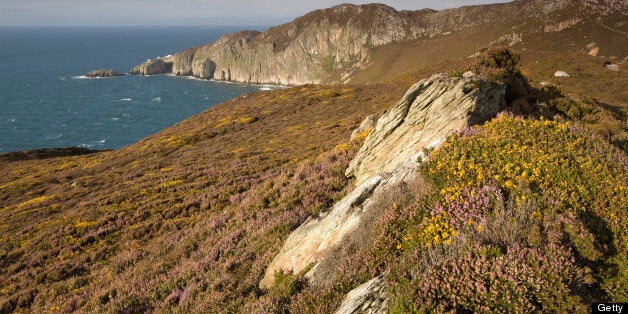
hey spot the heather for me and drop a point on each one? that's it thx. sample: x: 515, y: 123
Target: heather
x: 185, y: 220
x: 516, y: 215
x: 528, y: 218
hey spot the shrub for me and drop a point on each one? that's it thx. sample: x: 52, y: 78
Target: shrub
x: 521, y: 280
x: 537, y: 186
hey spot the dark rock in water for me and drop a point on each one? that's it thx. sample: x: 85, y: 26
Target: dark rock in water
x: 103, y: 73
x: 42, y: 153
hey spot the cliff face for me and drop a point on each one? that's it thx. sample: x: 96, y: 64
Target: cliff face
x: 332, y: 45
x: 154, y: 66
x: 314, y: 47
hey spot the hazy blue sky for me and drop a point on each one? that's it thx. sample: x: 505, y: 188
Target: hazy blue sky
x: 183, y: 12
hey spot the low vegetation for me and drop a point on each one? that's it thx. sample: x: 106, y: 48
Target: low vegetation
x: 184, y: 220
x: 519, y: 214
x: 528, y: 217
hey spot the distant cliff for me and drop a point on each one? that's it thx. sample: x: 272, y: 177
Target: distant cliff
x: 331, y: 45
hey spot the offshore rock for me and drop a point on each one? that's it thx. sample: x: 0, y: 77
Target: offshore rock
x: 428, y: 112
x: 103, y: 73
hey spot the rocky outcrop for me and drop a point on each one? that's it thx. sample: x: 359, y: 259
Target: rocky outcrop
x: 364, y: 128
x: 557, y: 27
x: 308, y: 243
x: 103, y: 73
x: 43, y: 153
x: 369, y: 297
x: 154, y: 66
x: 427, y: 113
x: 430, y: 110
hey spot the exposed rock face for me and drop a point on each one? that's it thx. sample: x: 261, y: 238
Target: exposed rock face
x: 332, y: 45
x: 364, y: 128
x: 103, y: 73
x: 308, y: 243
x: 369, y: 297
x: 305, y: 51
x: 561, y: 25
x: 427, y: 113
x: 154, y: 66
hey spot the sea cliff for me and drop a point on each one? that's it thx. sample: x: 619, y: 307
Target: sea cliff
x: 339, y: 43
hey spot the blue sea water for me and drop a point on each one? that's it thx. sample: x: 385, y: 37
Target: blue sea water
x: 46, y: 102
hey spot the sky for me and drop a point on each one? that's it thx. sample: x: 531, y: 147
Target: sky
x: 183, y: 12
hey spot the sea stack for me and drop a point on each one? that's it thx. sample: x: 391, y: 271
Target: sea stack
x: 103, y: 73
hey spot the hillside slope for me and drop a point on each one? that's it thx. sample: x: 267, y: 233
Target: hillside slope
x: 190, y: 218
x: 197, y: 207
x: 374, y: 42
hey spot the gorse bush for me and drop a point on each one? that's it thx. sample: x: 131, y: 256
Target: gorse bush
x: 562, y: 167
x: 528, y: 218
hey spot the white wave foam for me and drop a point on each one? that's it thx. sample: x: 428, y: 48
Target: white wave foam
x: 126, y: 99
x: 156, y: 99
x: 115, y: 119
x: 271, y: 87
x: 55, y: 136
x: 101, y: 141
x: 194, y: 78
x: 80, y: 77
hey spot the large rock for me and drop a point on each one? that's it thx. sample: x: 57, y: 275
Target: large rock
x: 369, y: 297
x: 103, y: 73
x: 427, y: 113
x: 308, y: 243
x: 430, y: 110
x: 154, y: 66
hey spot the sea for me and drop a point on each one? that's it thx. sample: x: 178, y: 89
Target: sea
x: 46, y: 101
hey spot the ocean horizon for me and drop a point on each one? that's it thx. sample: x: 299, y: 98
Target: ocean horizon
x: 47, y: 102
